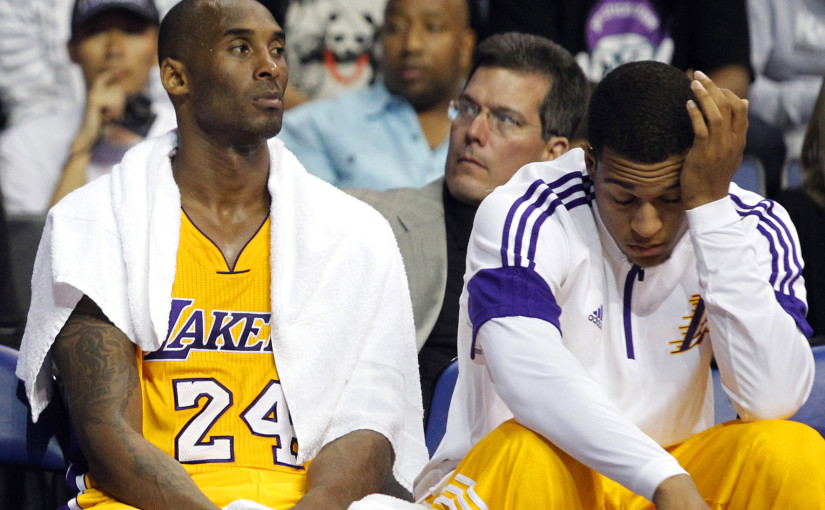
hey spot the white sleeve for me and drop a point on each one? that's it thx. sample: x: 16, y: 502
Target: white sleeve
x: 749, y: 268
x: 549, y: 392
x: 518, y: 257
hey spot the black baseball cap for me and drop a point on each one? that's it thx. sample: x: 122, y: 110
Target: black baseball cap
x: 84, y: 10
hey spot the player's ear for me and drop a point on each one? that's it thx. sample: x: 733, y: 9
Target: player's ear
x: 554, y: 147
x: 173, y: 76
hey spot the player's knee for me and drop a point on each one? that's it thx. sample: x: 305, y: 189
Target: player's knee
x: 521, y: 441
x: 524, y: 447
x: 783, y: 444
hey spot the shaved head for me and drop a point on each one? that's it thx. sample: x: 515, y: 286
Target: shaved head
x: 187, y: 24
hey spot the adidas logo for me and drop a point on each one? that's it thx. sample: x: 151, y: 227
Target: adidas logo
x: 596, y: 317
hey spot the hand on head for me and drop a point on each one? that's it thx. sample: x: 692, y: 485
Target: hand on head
x: 720, y: 125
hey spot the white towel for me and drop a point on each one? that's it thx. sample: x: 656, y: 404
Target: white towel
x: 342, y: 327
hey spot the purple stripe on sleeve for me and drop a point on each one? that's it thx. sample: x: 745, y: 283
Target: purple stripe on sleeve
x: 509, y: 220
x: 531, y: 254
x: 796, y: 308
x: 774, y: 255
x: 534, y: 235
x: 522, y: 224
x: 764, y: 210
x: 514, y: 208
x: 509, y: 292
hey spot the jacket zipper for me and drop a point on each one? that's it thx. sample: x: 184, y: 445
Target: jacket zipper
x: 628, y: 293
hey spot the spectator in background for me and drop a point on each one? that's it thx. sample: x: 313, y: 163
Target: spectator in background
x: 708, y: 35
x: 788, y: 56
x: 36, y: 73
x: 806, y: 207
x: 394, y: 132
x: 43, y: 158
x: 522, y: 103
x: 603, y: 34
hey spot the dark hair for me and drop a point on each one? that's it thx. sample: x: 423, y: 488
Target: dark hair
x: 565, y: 103
x: 639, y: 111
x: 181, y: 26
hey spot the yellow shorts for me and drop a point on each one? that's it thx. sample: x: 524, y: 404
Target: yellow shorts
x: 274, y: 489
x: 771, y: 464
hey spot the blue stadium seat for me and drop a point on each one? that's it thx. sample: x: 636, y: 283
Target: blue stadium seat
x: 751, y: 175
x: 440, y: 406
x: 792, y: 175
x: 23, y: 443
x: 722, y: 405
x: 812, y: 413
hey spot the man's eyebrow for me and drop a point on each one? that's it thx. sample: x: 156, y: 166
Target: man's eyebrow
x: 234, y: 32
x: 237, y: 31
x: 630, y: 185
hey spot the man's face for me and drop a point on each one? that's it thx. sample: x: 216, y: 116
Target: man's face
x: 236, y: 77
x: 640, y: 204
x: 426, y: 49
x: 119, y: 42
x: 486, y: 150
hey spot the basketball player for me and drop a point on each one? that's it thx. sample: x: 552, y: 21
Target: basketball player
x: 598, y: 287
x: 251, y: 338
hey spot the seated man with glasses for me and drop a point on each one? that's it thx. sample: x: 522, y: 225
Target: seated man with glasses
x: 522, y: 103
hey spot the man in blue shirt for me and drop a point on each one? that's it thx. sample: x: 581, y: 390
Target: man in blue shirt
x: 394, y: 132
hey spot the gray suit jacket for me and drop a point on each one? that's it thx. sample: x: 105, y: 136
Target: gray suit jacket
x: 417, y: 220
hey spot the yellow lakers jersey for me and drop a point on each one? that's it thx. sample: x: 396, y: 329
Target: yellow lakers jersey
x: 212, y: 397
x: 211, y: 393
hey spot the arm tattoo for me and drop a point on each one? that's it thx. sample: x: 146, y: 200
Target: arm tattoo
x: 98, y: 364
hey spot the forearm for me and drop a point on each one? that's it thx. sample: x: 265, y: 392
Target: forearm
x: 549, y: 392
x: 346, y: 470
x: 98, y: 368
x: 764, y: 358
x: 123, y: 464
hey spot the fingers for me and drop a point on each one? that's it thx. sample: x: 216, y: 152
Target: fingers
x: 723, y: 110
x: 739, y: 108
x: 106, y: 95
x: 700, y: 130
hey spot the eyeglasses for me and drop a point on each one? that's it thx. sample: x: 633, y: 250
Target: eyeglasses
x: 464, y: 111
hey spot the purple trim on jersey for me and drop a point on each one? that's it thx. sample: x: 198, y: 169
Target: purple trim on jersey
x: 522, y: 224
x: 795, y: 308
x: 534, y: 236
x: 538, y: 203
x: 514, y: 208
x: 626, y: 314
x: 764, y: 211
x: 74, y: 471
x: 509, y: 220
x: 238, y: 257
x: 774, y: 255
x: 509, y: 292
x: 768, y: 219
x: 196, y: 403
